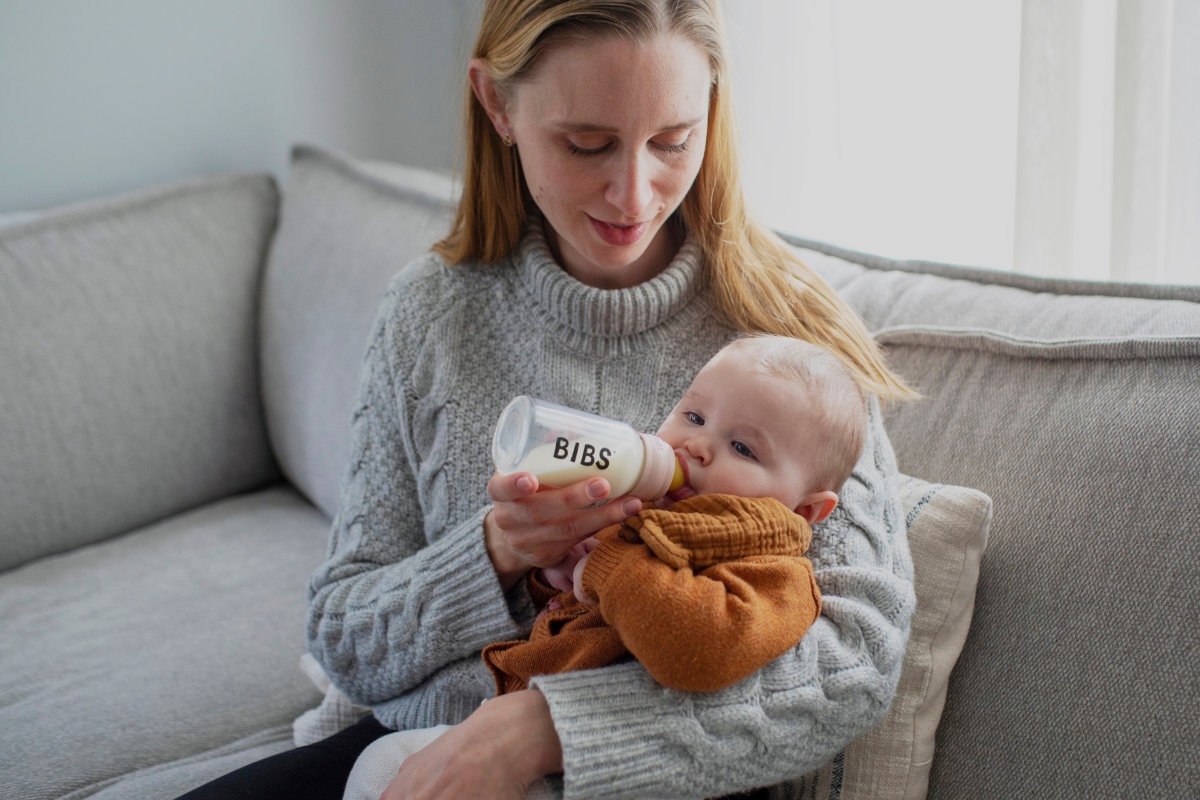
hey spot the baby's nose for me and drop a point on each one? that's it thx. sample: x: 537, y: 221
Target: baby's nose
x: 699, y: 449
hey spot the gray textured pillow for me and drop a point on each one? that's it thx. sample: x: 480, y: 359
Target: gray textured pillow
x: 347, y: 227
x: 128, y: 331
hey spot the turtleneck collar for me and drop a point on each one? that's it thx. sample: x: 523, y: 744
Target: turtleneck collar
x: 605, y: 313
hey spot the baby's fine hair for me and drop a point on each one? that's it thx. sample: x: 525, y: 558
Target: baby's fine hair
x: 829, y: 389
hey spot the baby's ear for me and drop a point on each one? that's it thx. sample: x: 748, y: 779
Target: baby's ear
x: 817, y: 506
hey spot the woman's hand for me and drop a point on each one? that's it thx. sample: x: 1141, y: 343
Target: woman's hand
x: 499, y: 750
x: 528, y: 528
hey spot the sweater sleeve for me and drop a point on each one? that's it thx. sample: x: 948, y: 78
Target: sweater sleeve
x: 394, y: 604
x: 791, y: 716
x: 701, y: 631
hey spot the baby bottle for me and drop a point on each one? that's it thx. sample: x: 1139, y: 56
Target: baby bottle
x: 562, y: 446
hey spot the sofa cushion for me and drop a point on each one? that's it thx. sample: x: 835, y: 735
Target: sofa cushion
x: 347, y: 227
x: 162, y: 645
x: 175, y: 778
x: 1074, y: 407
x: 128, y: 350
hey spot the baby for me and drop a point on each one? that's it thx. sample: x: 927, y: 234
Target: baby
x: 711, y: 584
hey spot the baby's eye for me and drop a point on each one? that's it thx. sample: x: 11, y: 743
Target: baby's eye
x: 693, y: 418
x: 742, y: 450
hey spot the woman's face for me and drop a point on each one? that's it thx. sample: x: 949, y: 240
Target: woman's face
x: 611, y: 135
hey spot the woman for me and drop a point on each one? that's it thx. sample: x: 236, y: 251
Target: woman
x: 600, y: 255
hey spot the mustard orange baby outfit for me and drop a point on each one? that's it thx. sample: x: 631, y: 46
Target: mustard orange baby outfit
x: 702, y: 593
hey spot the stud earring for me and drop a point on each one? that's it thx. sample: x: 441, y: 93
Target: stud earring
x: 507, y: 139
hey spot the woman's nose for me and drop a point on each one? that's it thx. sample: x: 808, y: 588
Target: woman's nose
x: 629, y: 189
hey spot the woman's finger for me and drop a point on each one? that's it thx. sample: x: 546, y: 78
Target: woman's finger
x: 505, y: 488
x: 527, y: 529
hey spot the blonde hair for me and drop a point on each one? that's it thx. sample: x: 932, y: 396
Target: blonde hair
x: 831, y: 394
x: 758, y: 282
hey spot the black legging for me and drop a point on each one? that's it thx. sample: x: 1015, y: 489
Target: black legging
x: 314, y: 772
x: 317, y: 771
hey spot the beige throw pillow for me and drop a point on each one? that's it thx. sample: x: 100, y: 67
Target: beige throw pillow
x: 947, y: 534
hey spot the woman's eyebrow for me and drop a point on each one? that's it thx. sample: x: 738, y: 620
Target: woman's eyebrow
x: 588, y: 127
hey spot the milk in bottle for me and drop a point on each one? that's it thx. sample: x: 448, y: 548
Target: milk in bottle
x: 563, y: 445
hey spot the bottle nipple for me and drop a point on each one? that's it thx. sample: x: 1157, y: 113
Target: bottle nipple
x: 661, y: 471
x: 677, y: 480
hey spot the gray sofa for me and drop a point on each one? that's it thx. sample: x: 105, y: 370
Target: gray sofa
x: 177, y: 371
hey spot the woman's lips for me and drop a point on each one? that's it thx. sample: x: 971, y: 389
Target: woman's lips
x: 618, y: 235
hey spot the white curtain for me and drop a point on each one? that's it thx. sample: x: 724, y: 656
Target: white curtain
x: 1054, y: 137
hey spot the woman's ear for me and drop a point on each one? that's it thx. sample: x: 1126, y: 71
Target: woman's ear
x: 817, y: 506
x: 489, y: 96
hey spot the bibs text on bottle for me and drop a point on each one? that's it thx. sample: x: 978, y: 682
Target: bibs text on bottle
x: 562, y: 446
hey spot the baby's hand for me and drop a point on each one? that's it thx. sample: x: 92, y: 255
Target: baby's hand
x: 577, y: 577
x: 562, y: 575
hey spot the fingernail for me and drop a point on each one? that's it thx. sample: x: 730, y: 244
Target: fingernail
x: 525, y: 483
x: 631, y: 507
x: 597, y: 489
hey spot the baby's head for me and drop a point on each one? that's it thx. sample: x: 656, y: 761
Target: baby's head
x: 770, y: 416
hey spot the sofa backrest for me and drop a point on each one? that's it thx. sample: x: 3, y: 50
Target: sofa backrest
x: 346, y: 228
x: 1076, y: 407
x: 128, y: 369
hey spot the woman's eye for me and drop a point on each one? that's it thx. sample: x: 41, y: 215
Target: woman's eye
x: 694, y: 418
x: 579, y: 150
x: 673, y: 147
x: 742, y: 450
x: 594, y: 149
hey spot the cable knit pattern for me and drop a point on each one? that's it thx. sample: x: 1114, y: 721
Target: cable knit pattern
x: 407, y: 598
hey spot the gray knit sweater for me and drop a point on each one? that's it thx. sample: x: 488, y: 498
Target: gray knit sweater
x: 407, y: 599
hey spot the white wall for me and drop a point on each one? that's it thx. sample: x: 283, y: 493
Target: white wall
x: 100, y: 97
x: 883, y: 126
